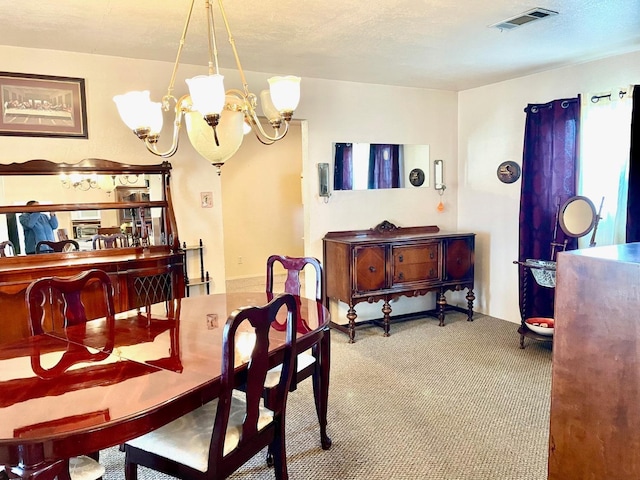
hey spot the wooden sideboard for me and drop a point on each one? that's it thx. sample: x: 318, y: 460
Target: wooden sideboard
x: 595, y: 420
x: 387, y: 262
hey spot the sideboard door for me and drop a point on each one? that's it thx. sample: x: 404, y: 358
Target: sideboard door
x: 459, y: 258
x: 370, y: 268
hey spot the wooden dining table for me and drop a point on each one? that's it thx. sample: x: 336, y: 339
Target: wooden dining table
x: 92, y: 386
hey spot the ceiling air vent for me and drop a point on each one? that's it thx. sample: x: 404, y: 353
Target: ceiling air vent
x: 523, y: 18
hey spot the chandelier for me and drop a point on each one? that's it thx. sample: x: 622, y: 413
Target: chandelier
x: 79, y: 181
x: 215, y: 119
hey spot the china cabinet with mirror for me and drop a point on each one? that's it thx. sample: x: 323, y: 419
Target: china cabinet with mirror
x: 90, y: 197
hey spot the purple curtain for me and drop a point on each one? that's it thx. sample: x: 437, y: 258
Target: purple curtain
x: 548, y: 179
x: 633, y: 196
x: 384, y: 166
x: 343, y: 167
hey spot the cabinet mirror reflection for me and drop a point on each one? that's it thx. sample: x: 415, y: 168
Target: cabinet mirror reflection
x: 82, y: 207
x: 369, y: 166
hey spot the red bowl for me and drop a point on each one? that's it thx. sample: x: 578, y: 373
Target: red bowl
x: 541, y: 325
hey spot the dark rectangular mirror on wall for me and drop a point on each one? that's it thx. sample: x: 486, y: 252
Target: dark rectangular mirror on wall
x: 371, y: 166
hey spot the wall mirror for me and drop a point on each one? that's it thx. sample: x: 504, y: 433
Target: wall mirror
x: 370, y: 166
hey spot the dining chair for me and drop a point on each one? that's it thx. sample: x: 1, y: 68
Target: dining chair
x: 214, y: 440
x: 62, y: 234
x: 116, y: 240
x: 45, y: 246
x: 55, y: 302
x: 306, y: 363
x: 6, y: 249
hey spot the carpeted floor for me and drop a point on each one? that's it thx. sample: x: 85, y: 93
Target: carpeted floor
x: 462, y: 402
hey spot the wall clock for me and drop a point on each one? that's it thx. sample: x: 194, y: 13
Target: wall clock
x: 416, y: 177
x: 508, y: 172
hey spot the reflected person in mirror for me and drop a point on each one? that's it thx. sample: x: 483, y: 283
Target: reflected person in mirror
x: 37, y: 227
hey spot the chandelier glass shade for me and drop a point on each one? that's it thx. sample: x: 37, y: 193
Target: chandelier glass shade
x: 215, y: 118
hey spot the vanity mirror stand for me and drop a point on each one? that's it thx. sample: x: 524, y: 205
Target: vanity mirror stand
x: 576, y: 218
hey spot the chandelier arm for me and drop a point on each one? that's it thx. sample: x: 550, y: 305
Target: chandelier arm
x: 213, y: 44
x: 182, y: 106
x: 260, y: 133
x: 177, y: 62
x: 232, y: 42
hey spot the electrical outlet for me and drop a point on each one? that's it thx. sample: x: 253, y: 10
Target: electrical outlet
x: 239, y: 260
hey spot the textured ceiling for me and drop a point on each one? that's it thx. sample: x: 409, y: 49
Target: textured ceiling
x: 441, y: 44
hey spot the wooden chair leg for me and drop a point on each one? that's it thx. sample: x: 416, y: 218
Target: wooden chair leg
x: 280, y: 453
x: 269, y: 457
x: 130, y: 471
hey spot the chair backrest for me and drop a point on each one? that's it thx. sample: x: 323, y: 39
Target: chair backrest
x: 293, y: 266
x: 108, y: 230
x: 57, y: 302
x: 258, y: 327
x: 61, y: 246
x: 6, y: 249
x: 116, y: 240
x: 62, y: 234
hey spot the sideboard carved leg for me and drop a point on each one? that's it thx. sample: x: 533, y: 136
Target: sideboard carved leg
x: 351, y: 316
x: 470, y: 298
x: 386, y: 311
x: 442, y: 302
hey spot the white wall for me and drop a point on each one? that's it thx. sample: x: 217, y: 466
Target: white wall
x: 343, y: 111
x: 491, y: 130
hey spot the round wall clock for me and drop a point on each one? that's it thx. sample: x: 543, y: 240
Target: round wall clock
x: 416, y: 177
x: 508, y: 172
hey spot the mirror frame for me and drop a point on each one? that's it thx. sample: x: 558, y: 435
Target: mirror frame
x: 563, y: 211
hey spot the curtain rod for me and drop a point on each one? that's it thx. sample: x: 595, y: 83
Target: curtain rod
x: 595, y: 98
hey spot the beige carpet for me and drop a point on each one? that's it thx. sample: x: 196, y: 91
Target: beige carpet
x: 462, y: 402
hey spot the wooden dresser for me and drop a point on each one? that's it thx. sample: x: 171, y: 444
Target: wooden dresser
x: 387, y: 262
x: 595, y: 390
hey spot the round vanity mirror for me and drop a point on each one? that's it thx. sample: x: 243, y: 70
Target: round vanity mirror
x: 577, y: 216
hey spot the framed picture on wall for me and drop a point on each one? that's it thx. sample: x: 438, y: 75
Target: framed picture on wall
x: 42, y: 106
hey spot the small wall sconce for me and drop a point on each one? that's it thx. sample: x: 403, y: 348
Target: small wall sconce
x: 323, y: 181
x: 438, y: 176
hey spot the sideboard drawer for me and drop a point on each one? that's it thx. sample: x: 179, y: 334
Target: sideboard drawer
x: 415, y: 263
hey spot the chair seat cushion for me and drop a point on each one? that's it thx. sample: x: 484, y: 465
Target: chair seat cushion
x: 85, y: 468
x: 187, y: 439
x: 273, y: 376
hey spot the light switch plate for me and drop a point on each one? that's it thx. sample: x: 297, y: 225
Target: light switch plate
x: 206, y: 199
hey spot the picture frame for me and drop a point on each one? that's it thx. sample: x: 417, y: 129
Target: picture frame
x: 42, y: 106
